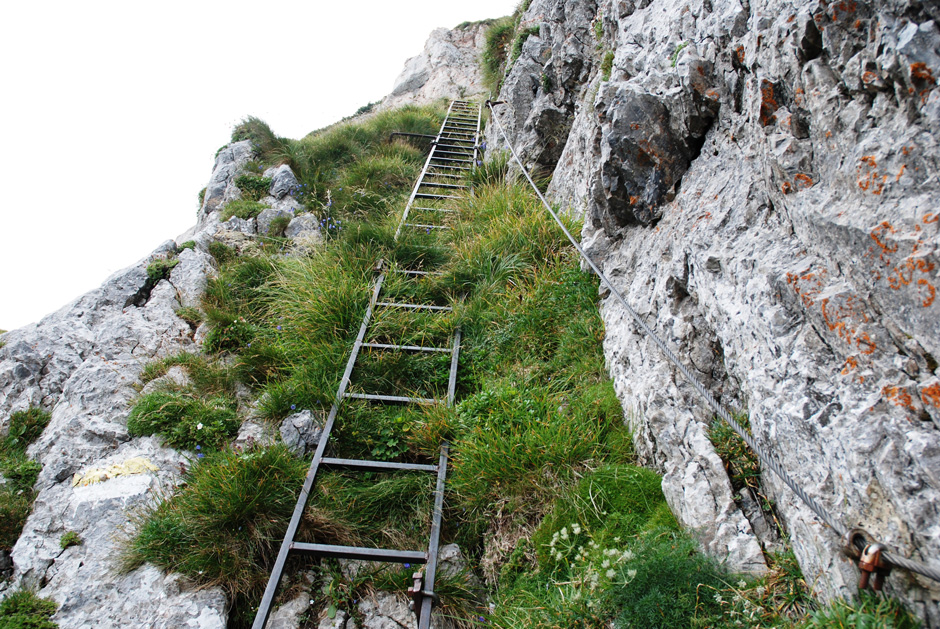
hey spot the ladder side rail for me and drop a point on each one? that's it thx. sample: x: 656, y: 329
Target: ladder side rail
x: 274, y: 581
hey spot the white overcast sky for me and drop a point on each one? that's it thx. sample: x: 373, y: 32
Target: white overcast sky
x: 113, y: 112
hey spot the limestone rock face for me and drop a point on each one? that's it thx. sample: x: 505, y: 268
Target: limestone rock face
x: 447, y: 68
x: 221, y: 187
x: 755, y: 178
x: 80, y: 363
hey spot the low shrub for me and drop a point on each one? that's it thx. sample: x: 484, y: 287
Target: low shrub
x: 607, y: 65
x: 669, y: 584
x: 25, y: 610
x: 185, y: 420
x: 189, y: 244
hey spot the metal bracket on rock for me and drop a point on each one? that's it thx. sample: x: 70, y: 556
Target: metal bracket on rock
x: 417, y: 594
x: 871, y: 563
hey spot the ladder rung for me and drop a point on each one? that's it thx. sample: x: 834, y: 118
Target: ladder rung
x: 408, y: 272
x: 451, y: 159
x: 455, y: 146
x: 392, y: 304
x: 359, y: 552
x: 432, y: 209
x: 410, y: 348
x: 430, y: 174
x: 466, y: 154
x: 444, y: 185
x: 392, y: 398
x: 356, y: 465
x: 428, y: 195
x: 449, y: 167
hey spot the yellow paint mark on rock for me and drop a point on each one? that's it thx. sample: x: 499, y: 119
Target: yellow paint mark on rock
x: 134, y: 465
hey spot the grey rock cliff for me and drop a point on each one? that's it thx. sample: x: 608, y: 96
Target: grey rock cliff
x: 81, y: 362
x: 448, y: 67
x: 758, y: 180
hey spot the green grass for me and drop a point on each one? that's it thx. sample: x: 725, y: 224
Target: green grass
x: 252, y: 186
x: 519, y: 40
x: 224, y: 524
x: 17, y: 494
x: 607, y: 65
x: 24, y: 610
x: 242, y: 208
x: 537, y: 435
x: 871, y: 610
x: 184, y: 419
x: 497, y: 41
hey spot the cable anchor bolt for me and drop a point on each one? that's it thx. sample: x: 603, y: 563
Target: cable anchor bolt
x: 874, y: 569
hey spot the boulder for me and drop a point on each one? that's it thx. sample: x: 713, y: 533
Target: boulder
x: 300, y: 432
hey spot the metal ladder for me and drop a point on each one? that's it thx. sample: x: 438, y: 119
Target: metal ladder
x: 453, y: 152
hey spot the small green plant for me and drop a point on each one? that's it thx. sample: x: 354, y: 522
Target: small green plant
x: 675, y: 55
x: 599, y: 28
x: 202, y: 196
x: 189, y: 244
x: 185, y: 420
x: 253, y: 187
x: 160, y: 269
x: 278, y: 226
x: 70, y: 538
x: 871, y: 610
x: 25, y: 610
x: 607, y: 65
x: 221, y: 252
x: 242, y: 208
x: 546, y: 80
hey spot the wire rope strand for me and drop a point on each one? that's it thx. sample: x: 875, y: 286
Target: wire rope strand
x: 764, y: 456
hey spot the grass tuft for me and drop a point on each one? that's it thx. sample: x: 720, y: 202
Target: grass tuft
x: 184, y: 420
x: 17, y: 494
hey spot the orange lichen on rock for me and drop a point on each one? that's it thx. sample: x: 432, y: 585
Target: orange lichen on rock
x: 803, y: 181
x: 868, y: 177
x: 807, y: 285
x: 920, y: 72
x: 844, y: 319
x: 931, y: 395
x: 899, y: 396
x: 851, y: 364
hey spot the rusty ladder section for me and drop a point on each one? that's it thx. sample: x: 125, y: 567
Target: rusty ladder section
x: 454, y: 151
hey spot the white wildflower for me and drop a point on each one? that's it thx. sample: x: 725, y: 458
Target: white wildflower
x: 742, y: 584
x: 610, y: 574
x: 199, y: 426
x: 576, y: 528
x: 564, y: 533
x: 605, y: 564
x: 631, y: 574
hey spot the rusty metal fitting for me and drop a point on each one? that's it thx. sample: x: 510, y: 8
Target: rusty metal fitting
x: 872, y: 564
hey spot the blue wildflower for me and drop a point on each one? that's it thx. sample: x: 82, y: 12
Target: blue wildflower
x: 200, y: 455
x: 278, y: 327
x: 293, y: 407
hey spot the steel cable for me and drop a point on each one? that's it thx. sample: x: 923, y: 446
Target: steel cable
x: 764, y: 457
